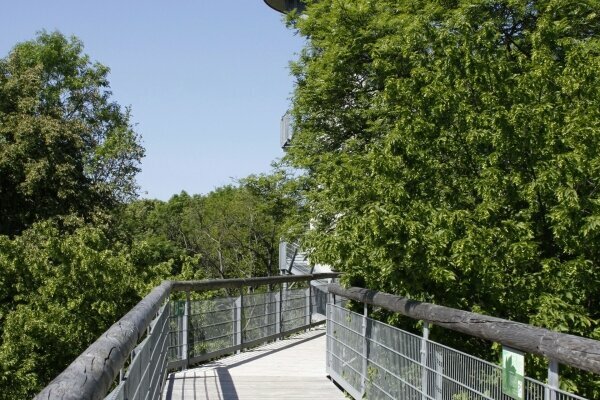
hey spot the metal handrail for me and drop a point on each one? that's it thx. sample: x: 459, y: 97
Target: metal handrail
x: 91, y: 375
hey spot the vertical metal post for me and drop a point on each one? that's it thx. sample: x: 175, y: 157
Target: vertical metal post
x: 310, y: 301
x: 329, y: 327
x: 278, y: 312
x: 553, y: 380
x: 307, y: 307
x: 284, y: 294
x: 364, y: 350
x: 234, y: 322
x: 267, y: 311
x: 424, y: 374
x: 238, y: 322
x: 439, y: 373
x: 185, y: 328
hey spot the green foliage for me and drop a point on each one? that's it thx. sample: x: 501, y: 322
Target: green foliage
x: 450, y: 151
x: 231, y: 232
x: 63, y: 284
x: 76, y: 252
x: 65, y: 147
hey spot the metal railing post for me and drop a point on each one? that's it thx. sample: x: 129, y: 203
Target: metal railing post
x: 364, y: 352
x: 424, y: 375
x: 553, y: 380
x: 278, y: 312
x: 185, y: 329
x: 310, y: 301
x: 307, y: 313
x: 328, y: 327
x: 439, y: 374
x: 238, y: 322
x: 282, y: 307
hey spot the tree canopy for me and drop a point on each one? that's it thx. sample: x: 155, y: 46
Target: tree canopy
x: 77, y: 249
x: 65, y: 147
x: 62, y: 283
x: 450, y: 152
x: 231, y: 232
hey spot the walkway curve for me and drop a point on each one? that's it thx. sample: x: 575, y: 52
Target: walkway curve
x: 293, y: 368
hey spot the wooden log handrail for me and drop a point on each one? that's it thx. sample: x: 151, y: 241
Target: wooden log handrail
x: 566, y: 349
x: 91, y: 375
x: 242, y: 282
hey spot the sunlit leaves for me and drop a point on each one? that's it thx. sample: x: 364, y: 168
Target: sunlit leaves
x: 450, y: 152
x: 65, y: 147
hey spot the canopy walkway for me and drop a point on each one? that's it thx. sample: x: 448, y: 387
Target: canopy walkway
x: 292, y: 368
x: 238, y: 339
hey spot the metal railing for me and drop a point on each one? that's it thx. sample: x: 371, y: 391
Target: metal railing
x: 374, y: 360
x: 206, y: 329
x: 132, y: 358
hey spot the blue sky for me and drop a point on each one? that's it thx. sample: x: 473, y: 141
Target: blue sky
x: 207, y: 81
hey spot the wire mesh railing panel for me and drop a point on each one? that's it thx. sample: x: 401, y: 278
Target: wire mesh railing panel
x: 345, y: 346
x: 319, y: 299
x: 211, y: 325
x: 460, y: 374
x: 561, y: 395
x: 222, y: 325
x: 176, y: 330
x: 401, y: 365
x: 456, y: 375
x: 394, y: 365
x: 294, y: 309
x: 535, y: 390
x: 146, y: 372
x: 260, y: 315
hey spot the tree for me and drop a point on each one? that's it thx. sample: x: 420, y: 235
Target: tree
x: 449, y: 151
x: 231, y: 232
x: 63, y: 284
x: 65, y: 147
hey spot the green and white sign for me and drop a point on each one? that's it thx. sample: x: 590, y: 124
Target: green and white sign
x: 513, y: 373
x: 179, y: 308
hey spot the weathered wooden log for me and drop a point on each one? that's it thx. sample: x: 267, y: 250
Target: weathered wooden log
x: 237, y: 283
x: 570, y: 350
x: 92, y: 373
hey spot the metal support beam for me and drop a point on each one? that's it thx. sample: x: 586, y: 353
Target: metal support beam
x: 278, y: 313
x: 364, y: 354
x: 553, y: 380
x: 307, y: 307
x: 424, y: 350
x: 185, y: 352
x: 238, y: 321
x: 439, y: 375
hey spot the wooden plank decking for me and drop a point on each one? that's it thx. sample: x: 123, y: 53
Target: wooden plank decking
x: 293, y: 368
